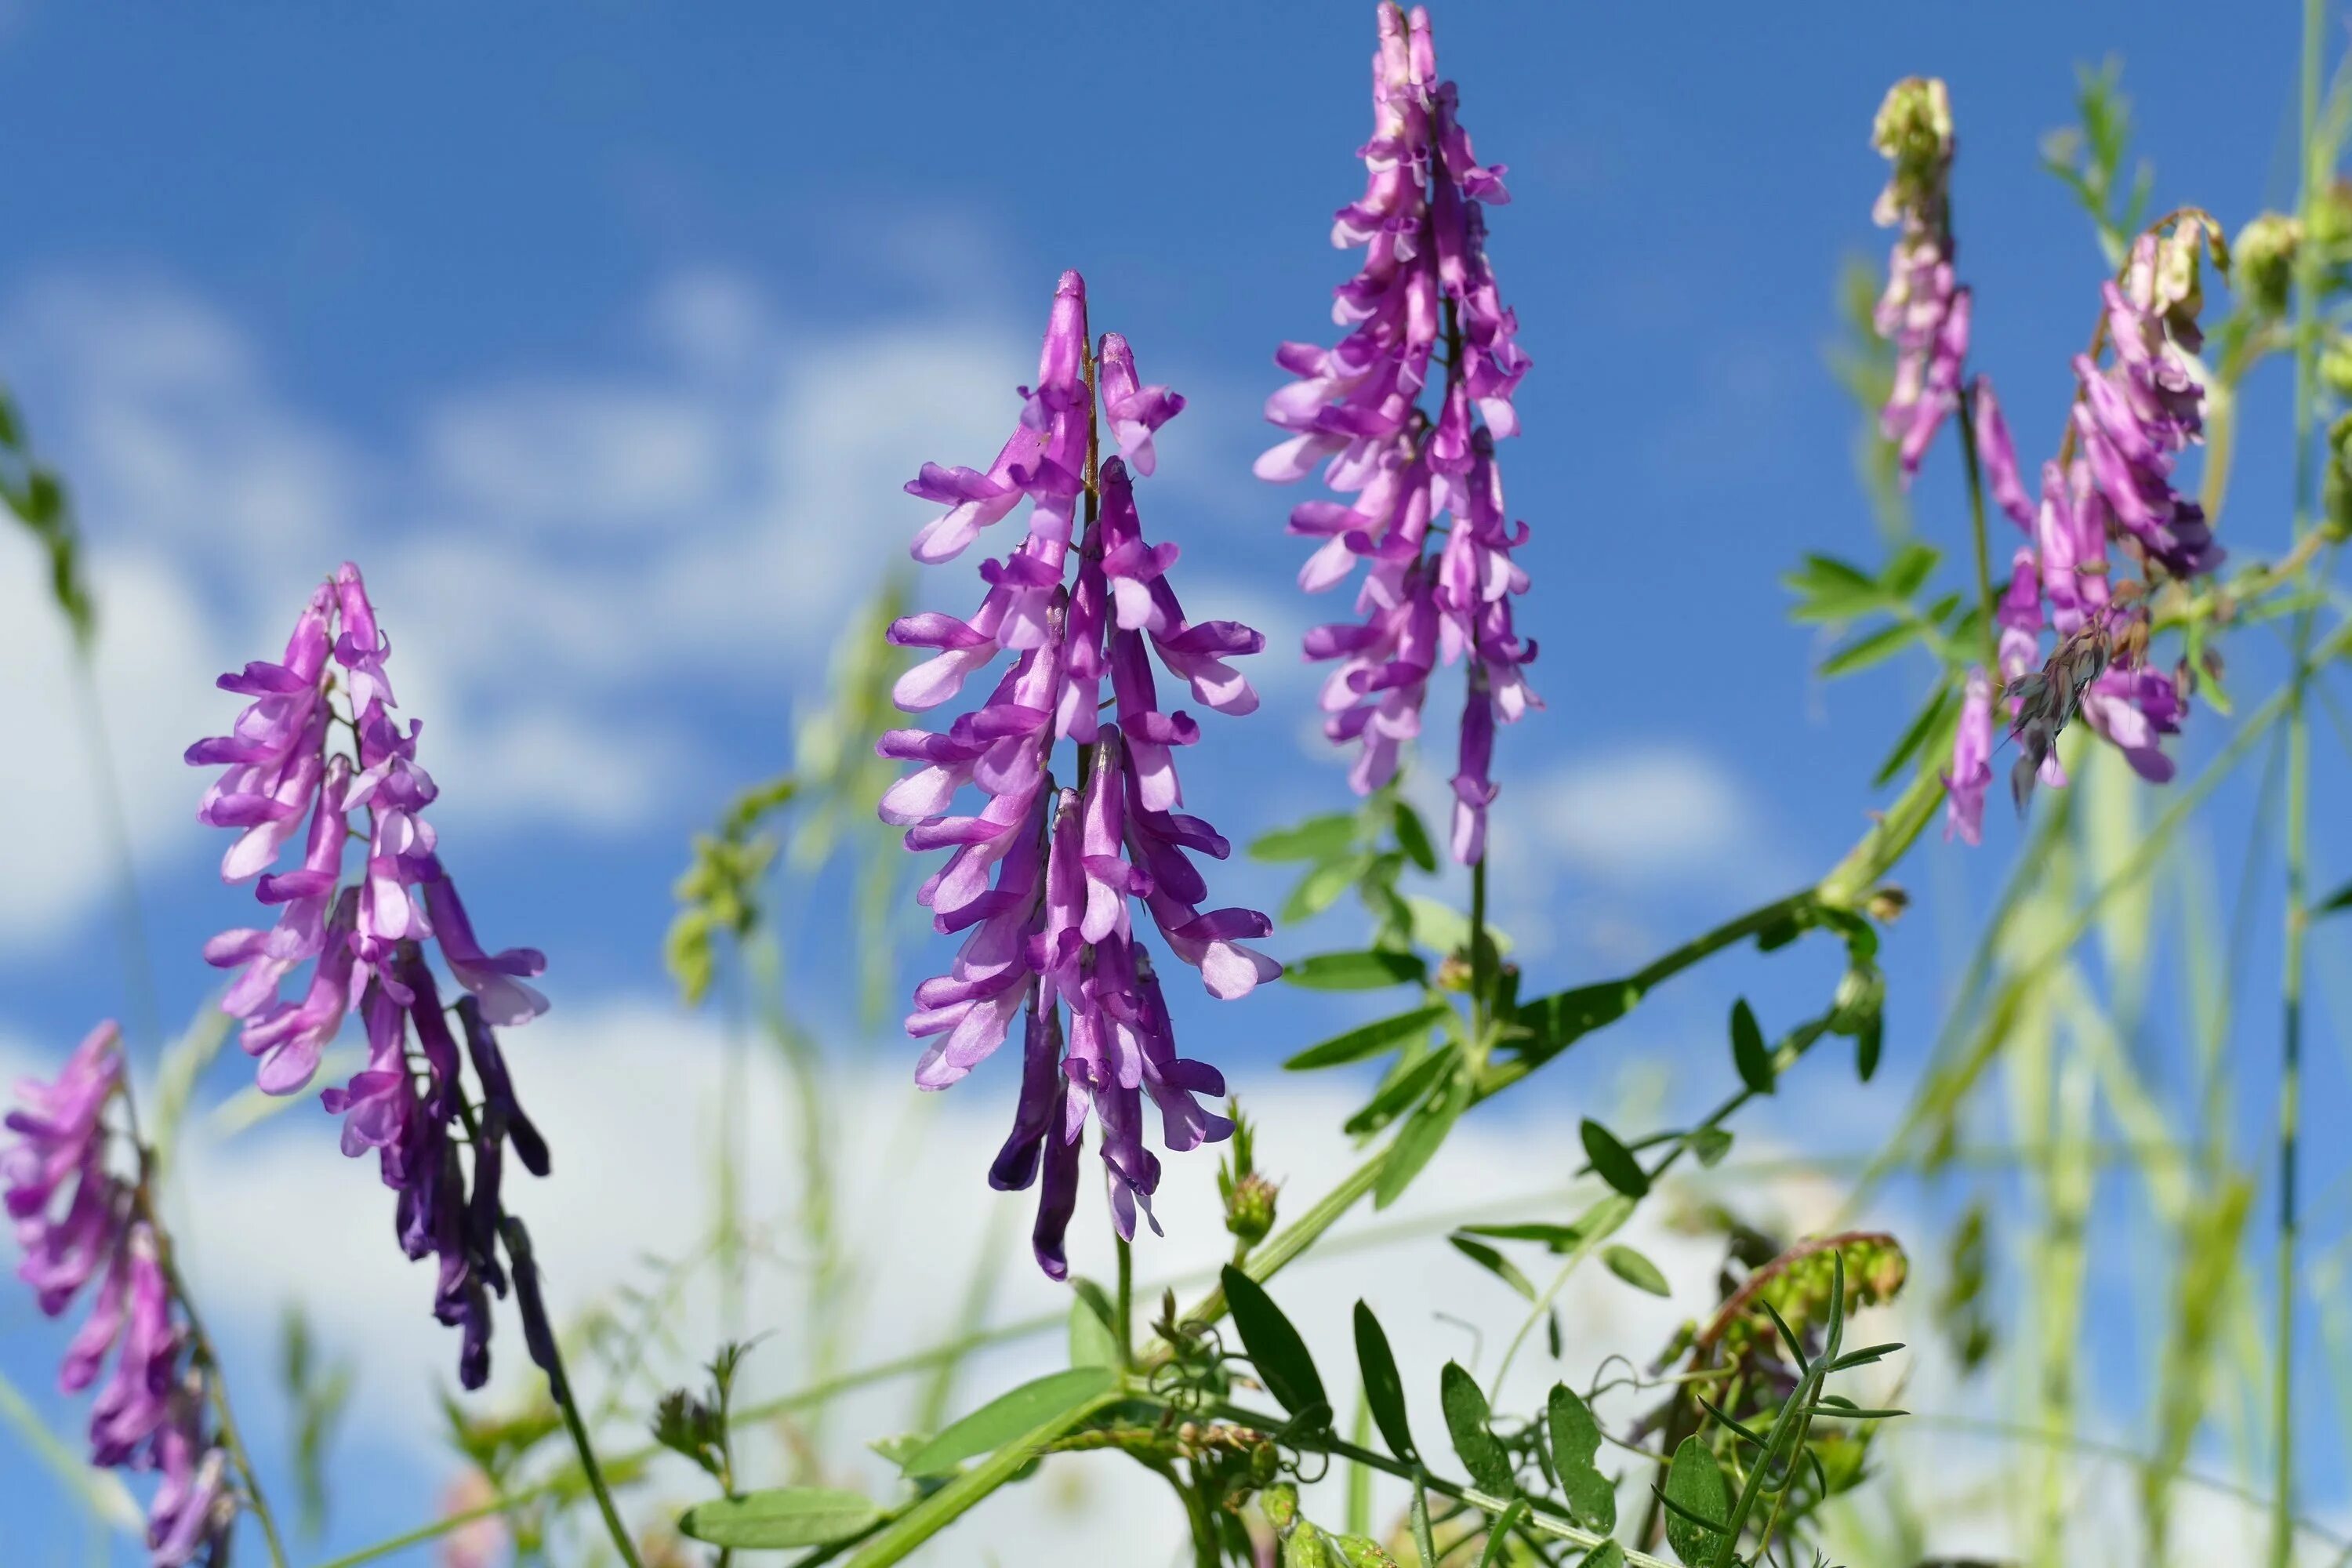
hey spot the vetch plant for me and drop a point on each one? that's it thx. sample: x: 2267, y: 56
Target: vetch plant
x: 1044, y: 874
x: 1046, y: 775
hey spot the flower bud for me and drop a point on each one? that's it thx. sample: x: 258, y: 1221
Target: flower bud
x: 2335, y: 489
x: 1249, y: 1209
x: 1914, y: 131
x: 1280, y: 1506
x: 2266, y: 257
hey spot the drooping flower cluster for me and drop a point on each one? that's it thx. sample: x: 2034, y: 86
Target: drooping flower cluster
x: 364, y: 943
x: 76, y: 1221
x: 2131, y: 422
x: 1044, y: 875
x: 1357, y: 410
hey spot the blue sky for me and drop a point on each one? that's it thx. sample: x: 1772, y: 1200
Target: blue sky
x: 602, y: 336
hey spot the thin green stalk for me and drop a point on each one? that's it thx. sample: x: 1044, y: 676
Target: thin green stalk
x: 200, y: 1347
x: 560, y: 1384
x: 1543, y: 1518
x: 2298, y: 770
x: 1791, y: 1050
x: 1480, y: 1008
x: 729, y: 1225
x: 1123, y: 1316
x: 138, y: 968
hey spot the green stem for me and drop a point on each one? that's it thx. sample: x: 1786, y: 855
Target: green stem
x: 200, y: 1340
x: 217, y: 1389
x: 1543, y: 1517
x: 560, y: 1384
x: 138, y: 969
x: 2298, y: 772
x: 1481, y: 981
x: 1123, y: 1309
x: 1850, y: 881
x: 539, y: 1331
x: 1791, y: 1051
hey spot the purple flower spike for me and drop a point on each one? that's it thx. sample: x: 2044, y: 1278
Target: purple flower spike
x: 320, y: 738
x: 149, y: 1413
x: 1924, y: 310
x: 2130, y: 421
x: 1357, y: 409
x: 1041, y: 878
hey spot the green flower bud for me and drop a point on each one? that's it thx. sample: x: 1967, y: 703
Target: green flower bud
x: 1280, y: 1506
x: 2336, y: 488
x: 2336, y: 366
x: 1914, y: 131
x: 2266, y: 257
x: 1249, y: 1209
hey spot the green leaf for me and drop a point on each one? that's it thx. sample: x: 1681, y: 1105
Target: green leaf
x: 1708, y: 1145
x: 787, y: 1516
x: 1418, y: 1141
x: 1383, y: 1388
x: 1556, y: 1022
x: 1494, y: 1263
x: 1634, y: 1269
x: 1317, y: 838
x: 1366, y: 971
x: 1869, y: 649
x: 1748, y: 1052
x: 1402, y: 1090
x: 1575, y: 1439
x: 1498, y: 1534
x: 1412, y: 838
x: 1608, y: 1554
x: 1369, y: 1040
x: 1093, y: 1341
x: 1481, y: 1451
x: 1866, y: 1044
x: 1698, y: 1505
x: 1939, y: 702
x: 1612, y: 1161
x: 1008, y: 1415
x: 1828, y: 589
x: 1444, y: 928
x: 1908, y: 570
x: 1321, y: 887
x: 1274, y: 1347
x: 1558, y: 1237
x: 937, y: 1510
x: 2341, y: 899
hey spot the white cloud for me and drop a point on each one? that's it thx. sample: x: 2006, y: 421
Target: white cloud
x: 570, y: 546
x: 1643, y: 815
x: 565, y: 457
x: 155, y: 654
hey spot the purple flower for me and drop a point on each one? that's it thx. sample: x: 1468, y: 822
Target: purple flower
x: 2135, y: 416
x: 1041, y: 877
x: 148, y: 1414
x: 365, y: 943
x: 2131, y: 419
x: 1971, y: 773
x: 1924, y: 312
x: 1998, y: 453
x: 1357, y: 408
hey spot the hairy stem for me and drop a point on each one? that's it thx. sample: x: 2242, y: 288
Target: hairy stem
x: 2310, y: 175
